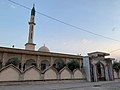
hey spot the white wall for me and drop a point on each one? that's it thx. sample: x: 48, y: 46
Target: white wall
x: 78, y: 74
x: 50, y: 74
x: 32, y: 74
x: 9, y: 74
x: 65, y: 74
x: 86, y: 67
x: 13, y: 74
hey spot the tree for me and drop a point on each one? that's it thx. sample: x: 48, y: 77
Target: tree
x: 14, y: 61
x: 59, y: 65
x: 72, y: 65
x: 116, y: 67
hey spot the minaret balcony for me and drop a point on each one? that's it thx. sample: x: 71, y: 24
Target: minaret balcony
x: 32, y: 23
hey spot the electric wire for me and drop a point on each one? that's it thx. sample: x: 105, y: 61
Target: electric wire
x: 114, y: 50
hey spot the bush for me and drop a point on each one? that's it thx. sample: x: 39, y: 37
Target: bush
x: 116, y: 66
x: 72, y: 65
x: 59, y: 65
x: 14, y: 61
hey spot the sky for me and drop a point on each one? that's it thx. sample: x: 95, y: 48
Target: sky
x: 98, y: 16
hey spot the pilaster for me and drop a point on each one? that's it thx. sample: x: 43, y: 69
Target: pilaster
x: 111, y: 71
x: 51, y: 61
x: 106, y: 73
x: 95, y: 73
x: 22, y: 62
x: 38, y: 62
x: 4, y: 59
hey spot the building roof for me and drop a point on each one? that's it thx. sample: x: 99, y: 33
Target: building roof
x: 98, y: 53
x: 109, y: 58
x: 31, y: 52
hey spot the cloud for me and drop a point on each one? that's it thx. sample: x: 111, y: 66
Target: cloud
x: 76, y: 46
x: 86, y: 41
x: 12, y: 6
x: 115, y: 28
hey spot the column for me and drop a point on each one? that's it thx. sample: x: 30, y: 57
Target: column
x: 38, y: 62
x: 22, y: 62
x: 111, y: 71
x: 86, y: 68
x: 95, y: 73
x: 102, y: 71
x: 51, y: 61
x: 4, y: 59
x: 106, y: 73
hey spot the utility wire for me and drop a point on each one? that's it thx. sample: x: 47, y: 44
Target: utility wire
x: 114, y: 50
x: 60, y: 21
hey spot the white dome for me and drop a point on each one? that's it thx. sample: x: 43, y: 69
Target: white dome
x: 44, y: 49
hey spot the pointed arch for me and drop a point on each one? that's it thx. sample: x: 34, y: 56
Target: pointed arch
x: 100, y: 71
x: 65, y: 73
x: 44, y: 65
x: 10, y: 73
x: 78, y: 74
x: 51, y: 73
x: 30, y: 62
x: 32, y: 73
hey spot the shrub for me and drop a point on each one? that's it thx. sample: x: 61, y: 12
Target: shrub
x: 72, y: 65
x: 14, y: 61
x: 59, y: 65
x: 116, y: 66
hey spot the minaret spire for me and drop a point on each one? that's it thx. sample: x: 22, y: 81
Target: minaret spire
x: 30, y: 45
x: 33, y: 10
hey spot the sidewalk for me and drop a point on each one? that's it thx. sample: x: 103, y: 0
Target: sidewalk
x: 105, y: 85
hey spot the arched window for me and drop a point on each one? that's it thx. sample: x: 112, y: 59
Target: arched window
x: 44, y: 65
x: 14, y: 61
x: 30, y: 62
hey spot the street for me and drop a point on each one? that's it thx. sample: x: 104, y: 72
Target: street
x: 111, y: 85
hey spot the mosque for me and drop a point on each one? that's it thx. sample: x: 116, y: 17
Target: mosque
x: 42, y: 64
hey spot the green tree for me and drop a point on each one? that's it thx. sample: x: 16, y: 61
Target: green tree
x: 14, y: 61
x: 59, y: 65
x: 116, y: 67
x: 72, y: 65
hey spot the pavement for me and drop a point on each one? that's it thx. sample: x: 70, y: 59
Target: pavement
x: 105, y: 85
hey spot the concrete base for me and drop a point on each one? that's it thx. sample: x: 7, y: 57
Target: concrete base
x: 38, y: 82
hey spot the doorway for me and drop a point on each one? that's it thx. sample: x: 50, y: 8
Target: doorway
x: 100, y: 71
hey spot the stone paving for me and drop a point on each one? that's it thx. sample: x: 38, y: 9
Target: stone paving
x: 111, y: 85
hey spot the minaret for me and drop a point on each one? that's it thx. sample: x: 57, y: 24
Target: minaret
x: 30, y: 45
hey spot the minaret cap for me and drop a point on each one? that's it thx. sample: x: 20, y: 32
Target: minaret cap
x: 33, y: 10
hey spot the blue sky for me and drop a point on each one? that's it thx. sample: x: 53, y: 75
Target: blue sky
x: 98, y: 16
